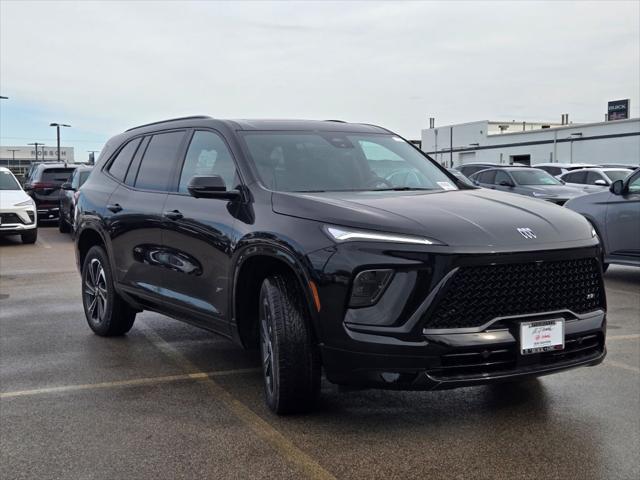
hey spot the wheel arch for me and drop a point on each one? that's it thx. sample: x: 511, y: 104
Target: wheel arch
x: 252, y: 265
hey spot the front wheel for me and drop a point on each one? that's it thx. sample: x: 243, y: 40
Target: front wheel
x: 63, y: 226
x: 30, y: 237
x: 290, y: 357
x: 107, y: 314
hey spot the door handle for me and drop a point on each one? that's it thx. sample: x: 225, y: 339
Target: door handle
x: 173, y: 215
x: 115, y: 208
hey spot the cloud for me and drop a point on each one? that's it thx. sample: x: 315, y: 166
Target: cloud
x: 107, y: 66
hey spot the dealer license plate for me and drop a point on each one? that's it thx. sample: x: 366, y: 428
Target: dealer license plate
x: 541, y: 336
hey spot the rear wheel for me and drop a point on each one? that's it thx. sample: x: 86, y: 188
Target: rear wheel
x: 63, y: 226
x: 106, y: 312
x: 290, y: 358
x: 30, y: 237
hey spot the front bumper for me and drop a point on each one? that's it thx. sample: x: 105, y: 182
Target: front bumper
x: 452, y: 360
x: 17, y: 220
x: 455, y: 318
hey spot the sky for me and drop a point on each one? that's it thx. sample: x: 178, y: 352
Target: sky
x: 103, y: 67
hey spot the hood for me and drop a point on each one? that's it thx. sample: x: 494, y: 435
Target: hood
x: 560, y: 191
x: 464, y: 218
x: 8, y: 198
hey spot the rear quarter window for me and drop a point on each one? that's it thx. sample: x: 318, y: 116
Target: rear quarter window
x: 120, y: 164
x: 159, y: 162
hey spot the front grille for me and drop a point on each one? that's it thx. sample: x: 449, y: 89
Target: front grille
x: 481, y: 362
x: 10, y: 218
x: 477, y: 294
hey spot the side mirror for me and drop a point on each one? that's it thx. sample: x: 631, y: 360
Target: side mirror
x: 67, y: 186
x: 210, y: 186
x: 617, y: 187
x: 506, y: 183
x: 600, y: 182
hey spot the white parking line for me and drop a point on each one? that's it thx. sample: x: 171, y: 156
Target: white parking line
x: 43, y: 243
x: 613, y: 338
x: 623, y: 366
x: 254, y: 421
x: 126, y: 383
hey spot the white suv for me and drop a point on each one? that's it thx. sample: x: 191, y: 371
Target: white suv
x: 17, y: 211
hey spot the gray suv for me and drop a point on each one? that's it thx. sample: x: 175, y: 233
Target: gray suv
x: 615, y: 214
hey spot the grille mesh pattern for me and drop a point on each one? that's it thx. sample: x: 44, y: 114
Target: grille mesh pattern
x: 10, y: 218
x: 479, y: 294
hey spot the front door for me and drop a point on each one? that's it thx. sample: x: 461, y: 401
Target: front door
x: 623, y: 221
x: 199, y: 235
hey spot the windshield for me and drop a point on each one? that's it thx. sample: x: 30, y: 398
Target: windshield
x: 331, y: 161
x: 534, y: 177
x: 614, y: 175
x: 8, y: 181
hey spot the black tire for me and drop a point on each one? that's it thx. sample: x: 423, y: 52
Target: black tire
x: 30, y: 237
x: 63, y: 226
x: 107, y: 314
x: 290, y: 357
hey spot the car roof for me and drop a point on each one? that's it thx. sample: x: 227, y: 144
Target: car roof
x: 261, y: 124
x: 55, y: 165
x: 4, y: 169
x: 564, y: 165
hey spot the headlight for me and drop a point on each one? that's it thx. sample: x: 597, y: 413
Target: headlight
x: 24, y: 204
x: 340, y: 234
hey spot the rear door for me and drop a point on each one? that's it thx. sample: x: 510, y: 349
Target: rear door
x: 144, y: 167
x: 576, y: 179
x: 198, y: 235
x: 623, y: 221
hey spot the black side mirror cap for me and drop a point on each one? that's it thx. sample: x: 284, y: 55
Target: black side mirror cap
x: 67, y: 186
x: 210, y: 186
x: 617, y: 187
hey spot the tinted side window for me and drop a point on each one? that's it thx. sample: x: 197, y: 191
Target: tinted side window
x: 208, y: 155
x: 502, y: 177
x: 159, y: 161
x: 120, y: 164
x: 75, y: 177
x: 575, y: 177
x: 592, y: 177
x: 487, y: 177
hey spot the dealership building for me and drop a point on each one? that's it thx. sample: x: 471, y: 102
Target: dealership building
x: 613, y: 141
x: 19, y: 158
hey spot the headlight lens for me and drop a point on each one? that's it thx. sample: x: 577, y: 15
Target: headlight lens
x: 340, y: 234
x: 24, y: 204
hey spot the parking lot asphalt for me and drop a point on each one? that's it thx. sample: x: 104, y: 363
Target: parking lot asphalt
x: 171, y: 401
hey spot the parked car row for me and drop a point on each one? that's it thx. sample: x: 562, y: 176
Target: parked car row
x: 50, y: 193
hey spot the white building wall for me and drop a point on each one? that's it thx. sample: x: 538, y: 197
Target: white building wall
x: 499, y: 148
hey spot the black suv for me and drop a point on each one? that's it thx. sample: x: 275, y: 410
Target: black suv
x: 43, y: 183
x: 300, y: 238
x: 68, y: 196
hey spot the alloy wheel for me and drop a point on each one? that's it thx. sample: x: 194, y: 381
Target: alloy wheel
x: 95, y: 291
x: 266, y: 344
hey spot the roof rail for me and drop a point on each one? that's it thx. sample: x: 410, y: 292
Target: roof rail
x: 193, y: 117
x: 337, y: 121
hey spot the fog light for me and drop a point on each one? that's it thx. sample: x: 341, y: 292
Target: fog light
x: 368, y: 287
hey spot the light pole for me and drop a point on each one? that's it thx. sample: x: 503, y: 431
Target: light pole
x: 36, y: 144
x: 58, y: 125
x: 572, y: 137
x: 3, y: 98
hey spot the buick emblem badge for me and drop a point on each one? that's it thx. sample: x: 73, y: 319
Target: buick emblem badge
x: 526, y: 233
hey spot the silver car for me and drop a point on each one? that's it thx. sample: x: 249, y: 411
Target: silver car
x: 615, y: 214
x: 595, y: 179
